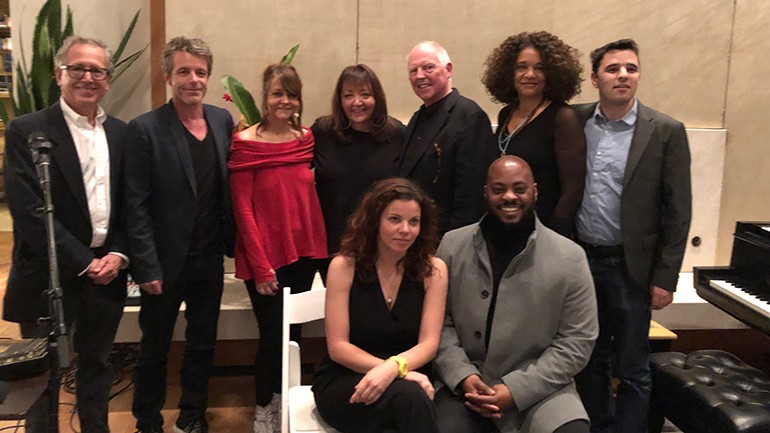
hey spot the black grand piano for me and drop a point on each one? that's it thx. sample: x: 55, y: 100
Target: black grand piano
x: 743, y: 288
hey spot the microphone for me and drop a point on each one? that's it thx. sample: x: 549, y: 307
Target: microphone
x: 38, y: 144
x: 38, y: 141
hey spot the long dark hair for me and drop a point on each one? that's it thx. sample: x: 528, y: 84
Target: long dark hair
x: 360, y: 238
x: 338, y: 123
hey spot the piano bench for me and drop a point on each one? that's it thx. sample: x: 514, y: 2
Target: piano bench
x: 708, y: 391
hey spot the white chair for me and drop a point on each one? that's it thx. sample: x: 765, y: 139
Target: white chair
x: 298, y: 411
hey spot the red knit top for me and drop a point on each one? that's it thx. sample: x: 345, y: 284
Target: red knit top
x: 275, y: 204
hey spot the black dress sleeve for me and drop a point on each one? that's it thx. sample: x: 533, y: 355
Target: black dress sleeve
x: 570, y: 150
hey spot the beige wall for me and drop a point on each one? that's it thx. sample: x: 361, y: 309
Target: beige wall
x: 703, y: 61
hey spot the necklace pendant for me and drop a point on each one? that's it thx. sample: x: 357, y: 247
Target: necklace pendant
x: 389, y: 301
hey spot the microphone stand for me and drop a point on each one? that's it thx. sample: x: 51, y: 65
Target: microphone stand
x: 58, y: 345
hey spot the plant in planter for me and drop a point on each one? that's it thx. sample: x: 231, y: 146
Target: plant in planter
x: 237, y: 93
x: 36, y: 86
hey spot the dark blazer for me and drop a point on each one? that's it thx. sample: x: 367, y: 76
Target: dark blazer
x: 28, y: 278
x: 656, y: 203
x: 161, y: 191
x: 452, y: 165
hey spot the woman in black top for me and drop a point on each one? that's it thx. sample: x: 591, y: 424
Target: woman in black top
x: 385, y: 300
x: 535, y: 74
x: 355, y: 146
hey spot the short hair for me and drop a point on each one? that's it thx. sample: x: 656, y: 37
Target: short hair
x: 289, y: 79
x: 193, y: 46
x: 621, y: 44
x: 441, y: 54
x: 61, y: 55
x: 359, y: 240
x: 560, y: 62
x: 338, y: 123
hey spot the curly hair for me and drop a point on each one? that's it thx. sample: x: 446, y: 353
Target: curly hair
x: 360, y: 238
x: 560, y: 62
x: 290, y: 81
x: 338, y: 123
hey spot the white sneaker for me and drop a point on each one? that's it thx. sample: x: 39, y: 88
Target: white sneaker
x: 264, y: 420
x: 267, y: 419
x: 275, y: 409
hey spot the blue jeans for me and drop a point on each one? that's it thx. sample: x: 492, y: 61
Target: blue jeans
x: 622, y: 348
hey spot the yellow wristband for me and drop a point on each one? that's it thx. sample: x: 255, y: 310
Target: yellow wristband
x: 403, y: 366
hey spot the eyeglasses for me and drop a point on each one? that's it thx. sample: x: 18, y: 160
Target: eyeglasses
x: 77, y: 72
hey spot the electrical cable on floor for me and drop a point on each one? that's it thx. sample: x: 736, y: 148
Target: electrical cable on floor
x: 16, y: 427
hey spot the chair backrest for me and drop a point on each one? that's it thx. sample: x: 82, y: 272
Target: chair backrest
x: 297, y: 308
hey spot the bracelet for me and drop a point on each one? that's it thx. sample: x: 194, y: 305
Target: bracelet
x: 403, y: 366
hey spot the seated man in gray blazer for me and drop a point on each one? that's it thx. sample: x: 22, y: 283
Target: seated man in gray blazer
x: 520, y: 321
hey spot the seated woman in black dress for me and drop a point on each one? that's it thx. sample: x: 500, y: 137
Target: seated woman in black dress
x: 535, y: 74
x: 355, y: 146
x: 385, y: 302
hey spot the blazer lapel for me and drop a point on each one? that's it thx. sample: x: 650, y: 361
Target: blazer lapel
x: 66, y: 156
x: 642, y: 134
x: 437, y: 123
x: 179, y: 141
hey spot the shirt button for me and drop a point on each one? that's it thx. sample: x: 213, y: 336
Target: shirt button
x: 596, y: 174
x: 484, y: 294
x: 477, y: 334
x: 599, y: 153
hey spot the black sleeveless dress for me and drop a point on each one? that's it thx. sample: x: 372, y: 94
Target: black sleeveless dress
x: 382, y: 333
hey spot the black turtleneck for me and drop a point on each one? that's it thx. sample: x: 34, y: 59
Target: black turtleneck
x: 504, y: 242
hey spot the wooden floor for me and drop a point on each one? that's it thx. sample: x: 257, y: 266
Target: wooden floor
x: 231, y: 399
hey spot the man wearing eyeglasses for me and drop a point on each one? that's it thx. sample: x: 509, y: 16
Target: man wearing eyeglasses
x: 86, y: 190
x: 180, y: 226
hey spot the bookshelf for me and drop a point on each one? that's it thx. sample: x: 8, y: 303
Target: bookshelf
x: 6, y: 51
x: 6, y: 78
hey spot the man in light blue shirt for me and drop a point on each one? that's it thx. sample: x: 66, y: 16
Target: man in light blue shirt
x: 633, y: 224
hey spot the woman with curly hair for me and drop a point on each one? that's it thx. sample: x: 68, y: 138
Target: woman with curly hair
x: 385, y: 302
x: 358, y: 133
x: 535, y: 74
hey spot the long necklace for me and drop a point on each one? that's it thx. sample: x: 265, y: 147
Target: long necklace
x: 502, y: 143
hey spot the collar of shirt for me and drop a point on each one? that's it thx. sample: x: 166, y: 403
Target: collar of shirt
x: 427, y: 112
x: 78, y: 120
x: 629, y: 119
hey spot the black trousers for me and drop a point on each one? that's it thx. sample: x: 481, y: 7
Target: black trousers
x: 403, y: 407
x: 269, y: 312
x: 200, y: 287
x: 92, y: 313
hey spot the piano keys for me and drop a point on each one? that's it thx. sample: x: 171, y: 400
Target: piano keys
x: 743, y: 288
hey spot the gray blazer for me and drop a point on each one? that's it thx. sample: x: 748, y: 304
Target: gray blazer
x: 656, y: 204
x: 543, y: 332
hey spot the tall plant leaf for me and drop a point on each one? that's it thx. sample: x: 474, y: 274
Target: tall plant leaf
x: 289, y: 56
x: 68, y: 29
x: 126, y: 63
x: 126, y: 37
x: 242, y: 99
x: 54, y: 23
x: 23, y: 101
